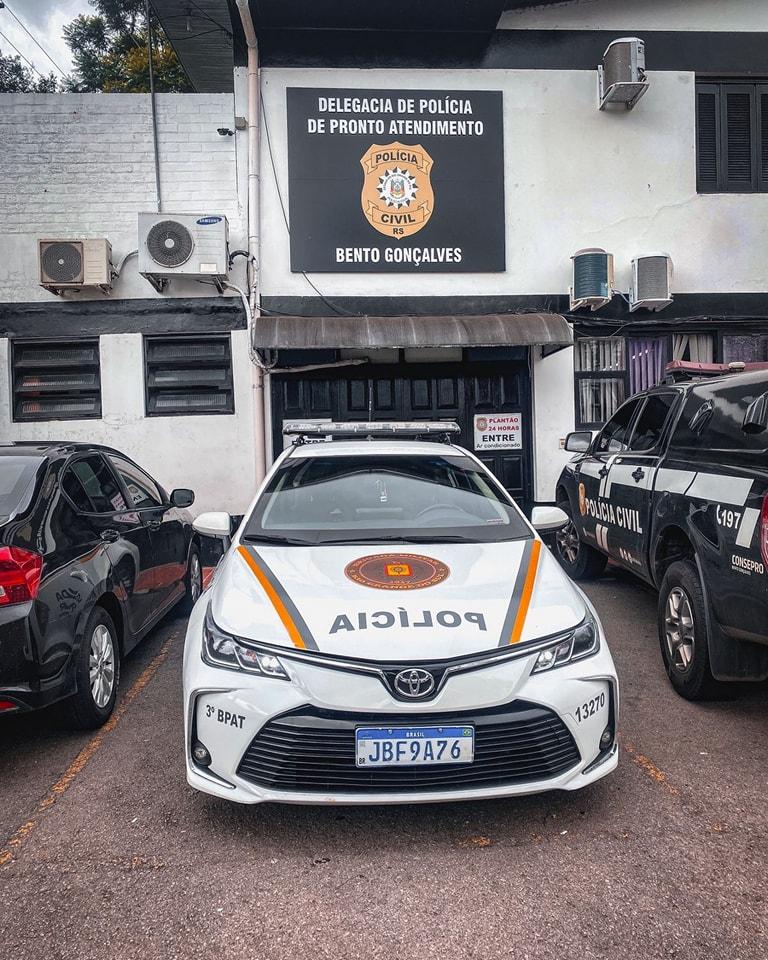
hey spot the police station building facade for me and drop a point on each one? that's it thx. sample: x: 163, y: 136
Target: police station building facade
x: 424, y: 188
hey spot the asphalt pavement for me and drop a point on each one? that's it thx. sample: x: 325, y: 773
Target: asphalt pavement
x: 105, y: 852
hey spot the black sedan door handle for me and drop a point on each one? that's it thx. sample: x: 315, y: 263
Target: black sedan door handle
x: 110, y: 535
x: 154, y: 524
x: 637, y: 475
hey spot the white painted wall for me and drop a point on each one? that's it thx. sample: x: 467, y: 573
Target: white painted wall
x: 725, y: 15
x: 576, y: 177
x: 553, y: 415
x: 82, y: 165
x: 211, y: 454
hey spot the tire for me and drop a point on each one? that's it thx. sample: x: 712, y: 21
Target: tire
x: 683, y: 634
x: 193, y: 581
x: 97, y: 673
x: 578, y: 559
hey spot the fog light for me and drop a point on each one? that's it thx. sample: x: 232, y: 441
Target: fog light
x: 200, y: 754
x: 606, y: 739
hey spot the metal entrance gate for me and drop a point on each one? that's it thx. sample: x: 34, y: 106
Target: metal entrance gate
x: 412, y: 391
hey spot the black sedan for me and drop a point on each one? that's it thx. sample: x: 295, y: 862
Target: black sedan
x: 93, y: 552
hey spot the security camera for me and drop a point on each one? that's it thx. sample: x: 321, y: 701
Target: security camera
x: 225, y: 132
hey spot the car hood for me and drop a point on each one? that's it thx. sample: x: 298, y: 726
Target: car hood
x: 422, y: 602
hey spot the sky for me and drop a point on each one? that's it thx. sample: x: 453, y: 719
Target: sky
x: 44, y: 19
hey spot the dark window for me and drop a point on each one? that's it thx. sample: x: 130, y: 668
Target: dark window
x: 731, y: 137
x: 613, y: 436
x: 142, y: 490
x: 713, y: 416
x: 650, y: 424
x: 188, y: 375
x: 17, y: 480
x: 56, y: 380
x: 91, y: 486
x: 332, y: 499
x: 750, y: 349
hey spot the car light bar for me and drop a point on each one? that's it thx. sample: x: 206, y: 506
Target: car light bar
x: 411, y: 428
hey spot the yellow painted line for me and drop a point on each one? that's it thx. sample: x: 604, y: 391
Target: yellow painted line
x: 8, y: 854
x: 527, y: 593
x: 280, y: 609
x: 650, y: 768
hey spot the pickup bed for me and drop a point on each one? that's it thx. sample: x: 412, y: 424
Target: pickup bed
x: 675, y: 489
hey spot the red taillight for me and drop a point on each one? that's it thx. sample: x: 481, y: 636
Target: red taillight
x: 7, y: 705
x: 19, y: 575
x: 764, y: 531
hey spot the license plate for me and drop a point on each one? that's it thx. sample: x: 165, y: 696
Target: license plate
x: 412, y: 746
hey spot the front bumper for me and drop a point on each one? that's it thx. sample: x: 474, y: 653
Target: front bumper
x: 229, y: 711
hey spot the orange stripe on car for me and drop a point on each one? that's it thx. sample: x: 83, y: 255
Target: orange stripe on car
x: 527, y: 592
x: 280, y: 609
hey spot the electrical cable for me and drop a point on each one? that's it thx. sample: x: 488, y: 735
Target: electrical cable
x: 28, y: 62
x: 34, y: 40
x: 336, y: 309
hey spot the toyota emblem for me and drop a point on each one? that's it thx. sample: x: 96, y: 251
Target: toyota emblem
x: 414, y: 683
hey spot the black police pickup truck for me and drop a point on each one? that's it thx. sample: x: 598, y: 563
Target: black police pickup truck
x: 675, y: 489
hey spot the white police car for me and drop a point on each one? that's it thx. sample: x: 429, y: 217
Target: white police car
x: 387, y: 627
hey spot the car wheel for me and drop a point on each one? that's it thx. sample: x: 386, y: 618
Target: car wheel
x: 97, y: 673
x: 193, y: 580
x: 578, y: 559
x: 683, y: 633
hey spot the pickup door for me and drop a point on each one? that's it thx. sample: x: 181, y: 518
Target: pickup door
x: 630, y: 483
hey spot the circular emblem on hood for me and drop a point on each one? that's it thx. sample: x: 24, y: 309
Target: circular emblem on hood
x: 414, y: 683
x: 397, y: 571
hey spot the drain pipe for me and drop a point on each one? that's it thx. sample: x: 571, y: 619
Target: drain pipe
x: 254, y: 266
x: 153, y: 105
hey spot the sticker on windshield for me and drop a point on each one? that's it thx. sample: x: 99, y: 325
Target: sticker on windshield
x: 397, y: 571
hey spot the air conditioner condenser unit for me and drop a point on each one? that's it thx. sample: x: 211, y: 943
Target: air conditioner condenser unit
x: 183, y: 245
x: 74, y: 264
x: 651, y: 282
x: 592, y: 278
x: 621, y: 76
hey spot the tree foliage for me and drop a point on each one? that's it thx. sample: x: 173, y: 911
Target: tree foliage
x: 17, y: 78
x: 109, y: 51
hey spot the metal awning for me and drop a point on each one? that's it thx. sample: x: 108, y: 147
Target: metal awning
x: 486, y: 330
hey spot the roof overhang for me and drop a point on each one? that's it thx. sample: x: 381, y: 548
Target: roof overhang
x: 370, y: 333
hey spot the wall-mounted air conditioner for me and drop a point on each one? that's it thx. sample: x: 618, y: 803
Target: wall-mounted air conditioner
x: 621, y: 76
x: 592, y: 278
x: 70, y: 264
x: 651, y: 282
x: 183, y: 245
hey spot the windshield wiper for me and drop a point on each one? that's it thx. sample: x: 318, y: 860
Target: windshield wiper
x: 267, y: 538
x: 420, y: 538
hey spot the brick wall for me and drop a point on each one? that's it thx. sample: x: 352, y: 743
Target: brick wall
x: 82, y: 164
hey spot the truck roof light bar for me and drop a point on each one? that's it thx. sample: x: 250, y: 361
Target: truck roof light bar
x: 372, y: 430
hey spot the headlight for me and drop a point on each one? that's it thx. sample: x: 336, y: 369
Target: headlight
x: 583, y: 642
x: 223, y: 650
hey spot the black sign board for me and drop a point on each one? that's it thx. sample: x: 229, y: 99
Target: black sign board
x: 396, y: 180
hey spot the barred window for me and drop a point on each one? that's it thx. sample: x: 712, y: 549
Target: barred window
x: 600, y: 370
x: 56, y: 380
x: 187, y: 376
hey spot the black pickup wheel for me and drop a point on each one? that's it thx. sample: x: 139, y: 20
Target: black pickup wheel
x: 578, y: 559
x: 683, y: 633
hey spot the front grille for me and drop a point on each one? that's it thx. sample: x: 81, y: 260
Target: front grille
x: 314, y: 750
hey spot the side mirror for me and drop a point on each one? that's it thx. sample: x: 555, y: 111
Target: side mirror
x: 578, y: 442
x: 756, y: 417
x: 548, y: 519
x: 218, y: 524
x: 181, y: 497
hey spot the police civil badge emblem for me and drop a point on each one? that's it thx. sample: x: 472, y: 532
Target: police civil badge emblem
x: 397, y: 197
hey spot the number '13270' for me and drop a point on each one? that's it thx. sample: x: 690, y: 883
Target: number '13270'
x: 590, y: 708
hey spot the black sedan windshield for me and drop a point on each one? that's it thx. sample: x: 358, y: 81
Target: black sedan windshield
x: 380, y: 498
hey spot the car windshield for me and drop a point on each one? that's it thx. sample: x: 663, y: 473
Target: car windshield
x: 16, y: 477
x: 383, y: 498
